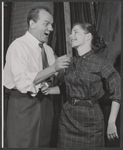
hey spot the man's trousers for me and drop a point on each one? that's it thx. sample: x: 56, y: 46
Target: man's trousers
x: 29, y: 121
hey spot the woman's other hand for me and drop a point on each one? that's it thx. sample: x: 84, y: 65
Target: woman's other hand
x: 112, y: 131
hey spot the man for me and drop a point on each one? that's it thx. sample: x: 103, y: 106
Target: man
x: 29, y: 119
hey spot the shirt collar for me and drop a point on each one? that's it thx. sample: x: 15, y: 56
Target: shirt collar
x: 88, y: 54
x: 32, y: 38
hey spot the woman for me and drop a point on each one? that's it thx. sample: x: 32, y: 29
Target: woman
x: 82, y: 124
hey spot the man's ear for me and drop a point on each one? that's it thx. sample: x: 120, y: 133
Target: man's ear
x: 88, y: 36
x: 32, y: 24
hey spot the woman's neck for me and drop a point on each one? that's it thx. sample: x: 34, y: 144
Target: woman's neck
x: 83, y: 49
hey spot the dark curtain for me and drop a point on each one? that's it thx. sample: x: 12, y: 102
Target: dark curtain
x: 86, y: 12
x: 57, y: 39
x: 90, y: 12
x: 109, y: 26
x: 7, y: 19
x: 58, y: 42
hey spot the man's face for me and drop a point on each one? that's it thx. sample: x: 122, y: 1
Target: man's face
x: 43, y: 26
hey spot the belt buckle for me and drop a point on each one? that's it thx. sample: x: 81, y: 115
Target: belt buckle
x: 90, y: 103
x: 74, y: 100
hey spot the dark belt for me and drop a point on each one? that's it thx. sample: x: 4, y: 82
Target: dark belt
x: 80, y: 102
x: 18, y: 94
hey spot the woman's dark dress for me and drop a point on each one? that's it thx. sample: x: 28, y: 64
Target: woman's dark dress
x: 82, y: 126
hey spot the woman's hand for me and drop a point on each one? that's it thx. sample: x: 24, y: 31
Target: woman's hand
x: 45, y: 88
x: 112, y: 131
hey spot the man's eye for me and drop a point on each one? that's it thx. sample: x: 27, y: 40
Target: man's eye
x: 46, y: 24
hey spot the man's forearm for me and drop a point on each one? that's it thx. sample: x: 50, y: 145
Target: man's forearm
x: 44, y: 74
x: 60, y: 63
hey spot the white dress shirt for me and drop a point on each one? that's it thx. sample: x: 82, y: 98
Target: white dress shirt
x: 23, y: 62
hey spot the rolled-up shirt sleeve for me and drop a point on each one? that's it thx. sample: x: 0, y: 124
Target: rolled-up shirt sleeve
x: 114, y: 80
x: 23, y: 77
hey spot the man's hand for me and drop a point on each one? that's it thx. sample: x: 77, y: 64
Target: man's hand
x: 61, y: 63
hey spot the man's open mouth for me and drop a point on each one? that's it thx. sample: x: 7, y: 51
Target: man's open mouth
x: 46, y: 34
x: 73, y: 40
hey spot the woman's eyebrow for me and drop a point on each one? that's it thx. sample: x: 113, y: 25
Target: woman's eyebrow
x: 74, y: 30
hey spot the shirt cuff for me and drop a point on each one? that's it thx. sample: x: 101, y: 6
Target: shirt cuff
x: 117, y: 100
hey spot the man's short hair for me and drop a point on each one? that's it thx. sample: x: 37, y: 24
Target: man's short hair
x: 34, y: 13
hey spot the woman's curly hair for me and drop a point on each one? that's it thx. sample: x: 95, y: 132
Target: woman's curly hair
x: 98, y: 43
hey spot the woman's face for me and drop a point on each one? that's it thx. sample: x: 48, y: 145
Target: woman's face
x: 78, y: 36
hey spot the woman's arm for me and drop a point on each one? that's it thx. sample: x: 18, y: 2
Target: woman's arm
x: 54, y: 90
x: 50, y: 90
x: 60, y: 89
x: 114, y: 84
x: 112, y: 130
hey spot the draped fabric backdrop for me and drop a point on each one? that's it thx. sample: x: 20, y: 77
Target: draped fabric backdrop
x: 57, y: 37
x: 86, y: 12
x: 57, y: 41
x: 109, y: 26
x: 7, y: 20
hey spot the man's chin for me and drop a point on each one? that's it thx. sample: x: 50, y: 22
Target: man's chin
x: 74, y: 46
x: 46, y: 40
